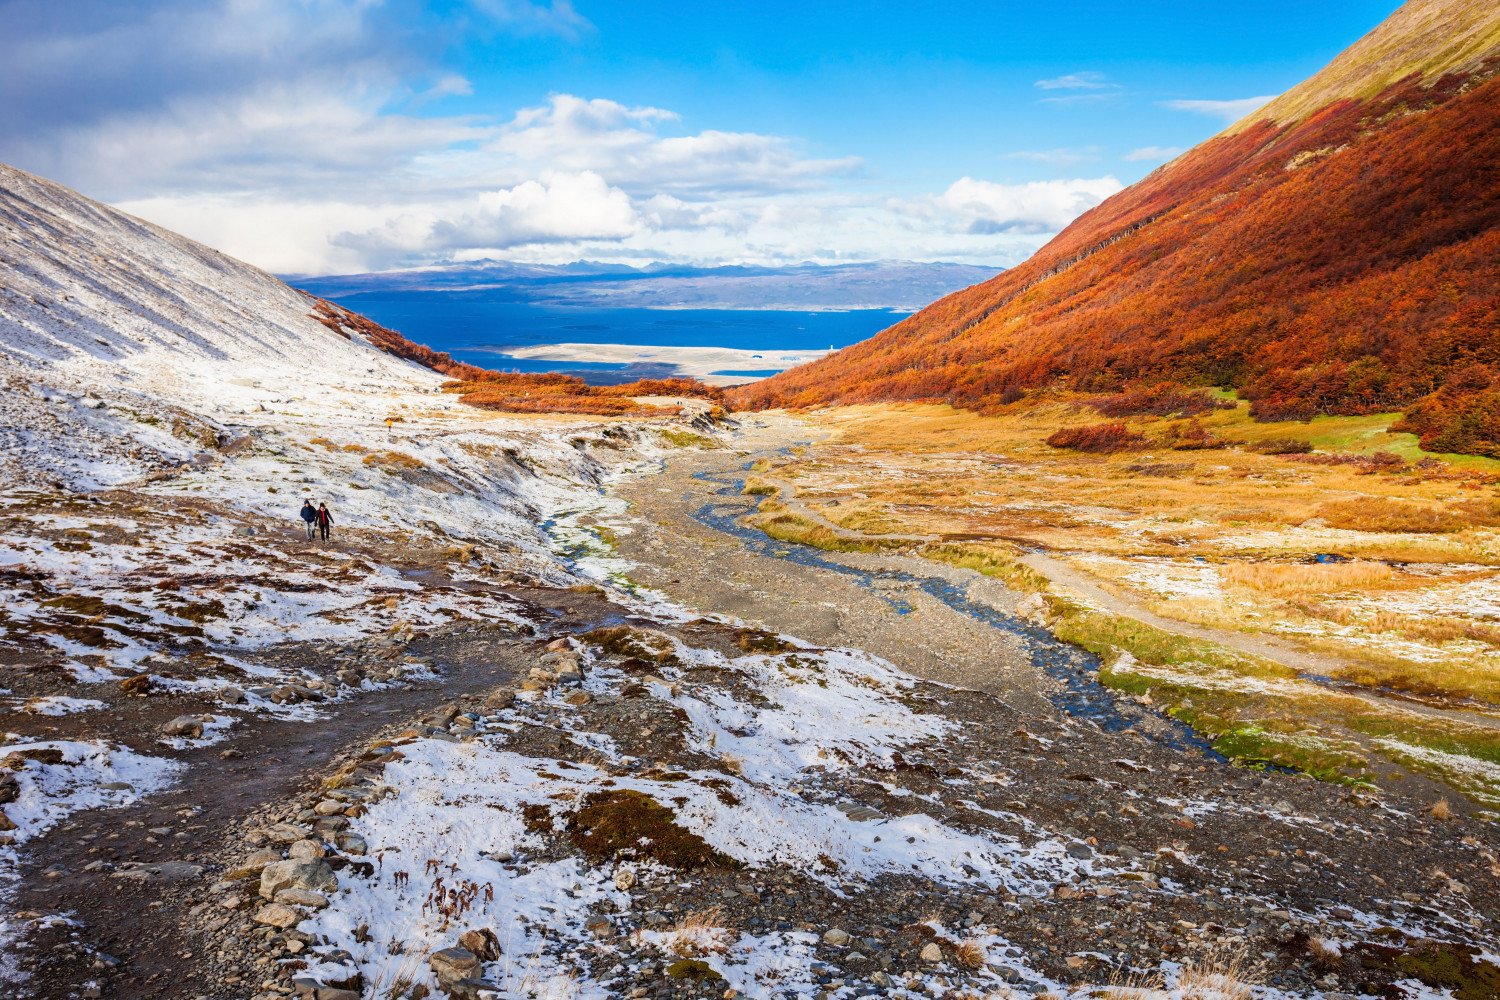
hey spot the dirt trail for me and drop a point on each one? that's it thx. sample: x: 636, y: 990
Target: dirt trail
x: 142, y: 919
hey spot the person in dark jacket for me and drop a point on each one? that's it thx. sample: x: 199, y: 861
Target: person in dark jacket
x: 325, y: 520
x: 309, y: 517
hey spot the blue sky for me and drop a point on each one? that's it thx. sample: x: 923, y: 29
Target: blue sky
x: 328, y: 135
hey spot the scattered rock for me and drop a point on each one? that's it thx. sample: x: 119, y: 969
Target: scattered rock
x: 138, y: 685
x: 187, y: 726
x: 453, y: 965
x: 302, y: 897
x: 482, y: 942
x: 314, y: 875
x: 277, y: 915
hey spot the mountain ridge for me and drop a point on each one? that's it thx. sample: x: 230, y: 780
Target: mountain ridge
x: 1342, y: 263
x: 892, y: 284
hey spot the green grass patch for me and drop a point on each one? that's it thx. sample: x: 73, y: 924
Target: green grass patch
x: 1103, y: 633
x: 788, y: 527
x: 990, y: 561
x: 678, y: 438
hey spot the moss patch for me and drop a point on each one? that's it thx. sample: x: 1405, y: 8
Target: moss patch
x: 632, y: 824
x: 692, y: 968
x: 754, y: 640
x: 1454, y: 967
x: 990, y: 561
x: 622, y: 640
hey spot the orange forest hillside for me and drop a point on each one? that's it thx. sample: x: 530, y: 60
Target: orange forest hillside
x: 1335, y: 252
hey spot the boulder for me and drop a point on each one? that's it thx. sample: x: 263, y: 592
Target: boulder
x: 313, y: 875
x: 187, y: 726
x: 277, y: 915
x: 482, y: 942
x: 305, y: 850
x: 286, y: 833
x: 453, y: 965
x: 302, y: 897
x: 351, y: 843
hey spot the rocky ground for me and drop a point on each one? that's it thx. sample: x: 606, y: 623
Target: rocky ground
x: 765, y: 778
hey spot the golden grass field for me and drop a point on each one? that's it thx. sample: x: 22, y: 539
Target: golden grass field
x: 1374, y: 561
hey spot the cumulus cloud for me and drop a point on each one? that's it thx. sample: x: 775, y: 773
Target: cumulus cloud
x: 1152, y: 154
x: 1229, y: 111
x: 625, y: 144
x: 306, y: 138
x: 984, y: 207
x: 558, y: 207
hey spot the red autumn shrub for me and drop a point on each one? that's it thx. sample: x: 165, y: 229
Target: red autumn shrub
x: 1342, y: 263
x: 1161, y: 400
x: 1101, y: 438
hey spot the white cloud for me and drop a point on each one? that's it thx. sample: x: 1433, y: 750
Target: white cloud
x: 624, y: 144
x: 1229, y: 111
x: 984, y: 207
x: 1085, y: 80
x: 298, y: 136
x: 558, y: 208
x: 557, y: 17
x: 1152, y: 154
x: 448, y: 85
x: 1061, y: 158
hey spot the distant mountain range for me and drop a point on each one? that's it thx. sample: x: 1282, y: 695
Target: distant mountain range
x: 1337, y: 251
x: 898, y: 285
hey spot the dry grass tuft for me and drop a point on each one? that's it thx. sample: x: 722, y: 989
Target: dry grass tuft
x: 1223, y: 976
x: 393, y: 461
x: 1325, y: 953
x: 1441, y: 810
x: 1310, y: 578
x: 1373, y: 513
x: 970, y: 954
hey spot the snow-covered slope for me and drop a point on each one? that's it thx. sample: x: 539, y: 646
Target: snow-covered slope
x: 81, y: 283
x: 194, y: 401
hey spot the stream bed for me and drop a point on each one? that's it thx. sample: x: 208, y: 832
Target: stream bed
x: 1078, y: 693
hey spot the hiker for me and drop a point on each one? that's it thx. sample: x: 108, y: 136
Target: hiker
x: 325, y: 520
x: 309, y: 517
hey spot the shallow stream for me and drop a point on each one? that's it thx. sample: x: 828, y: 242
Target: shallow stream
x: 1079, y: 692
